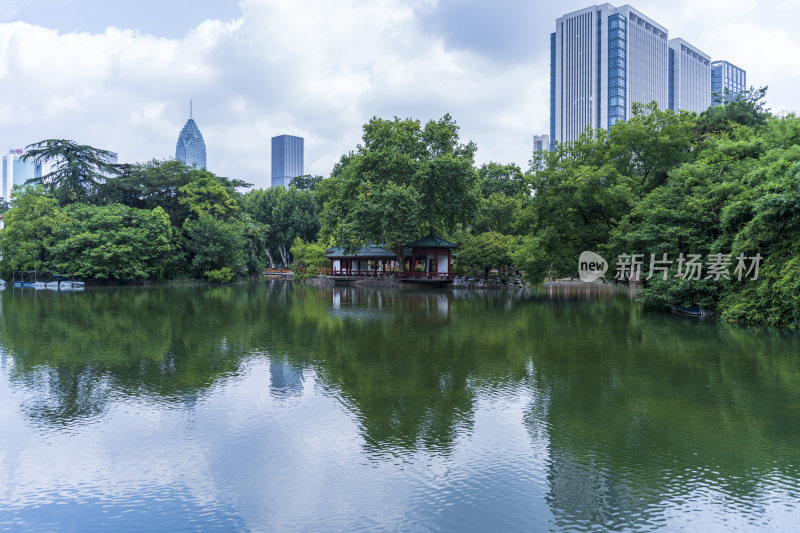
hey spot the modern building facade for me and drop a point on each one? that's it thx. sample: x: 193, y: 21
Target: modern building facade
x: 603, y: 59
x: 287, y: 159
x: 728, y: 77
x: 17, y: 172
x: 191, y: 148
x: 689, y: 77
x: 541, y: 143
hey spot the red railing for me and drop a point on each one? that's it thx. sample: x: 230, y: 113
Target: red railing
x: 400, y: 275
x: 361, y: 273
x: 424, y: 275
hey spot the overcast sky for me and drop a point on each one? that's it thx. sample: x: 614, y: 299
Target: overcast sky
x: 119, y: 74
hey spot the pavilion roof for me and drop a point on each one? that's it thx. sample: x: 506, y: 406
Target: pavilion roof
x: 432, y: 241
x: 368, y: 251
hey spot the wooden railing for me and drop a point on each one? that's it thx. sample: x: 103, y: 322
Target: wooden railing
x: 400, y: 275
x: 424, y: 275
x: 362, y: 273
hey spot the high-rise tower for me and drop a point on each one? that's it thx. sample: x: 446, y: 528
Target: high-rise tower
x: 191, y: 148
x: 603, y: 59
x: 727, y: 80
x: 16, y: 171
x: 287, y: 159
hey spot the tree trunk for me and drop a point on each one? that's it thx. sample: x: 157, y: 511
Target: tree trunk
x: 271, y: 260
x: 284, y: 255
x: 401, y: 260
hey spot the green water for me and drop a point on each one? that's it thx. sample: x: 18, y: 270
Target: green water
x: 285, y: 407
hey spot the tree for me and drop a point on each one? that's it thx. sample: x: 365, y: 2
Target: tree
x: 215, y: 245
x: 295, y: 214
x: 284, y: 215
x: 208, y: 195
x: 308, y: 257
x: 158, y: 184
x: 113, y: 243
x: 485, y: 251
x: 746, y: 109
x: 498, y: 213
x: 509, y: 180
x: 402, y: 182
x: 306, y: 182
x: 259, y: 204
x: 78, y: 169
x: 30, y: 231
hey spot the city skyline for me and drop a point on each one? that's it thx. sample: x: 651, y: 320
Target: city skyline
x: 604, y: 59
x: 127, y: 89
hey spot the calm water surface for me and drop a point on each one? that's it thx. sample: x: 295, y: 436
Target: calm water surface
x: 285, y: 407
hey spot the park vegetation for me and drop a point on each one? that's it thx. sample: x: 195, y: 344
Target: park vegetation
x: 726, y: 181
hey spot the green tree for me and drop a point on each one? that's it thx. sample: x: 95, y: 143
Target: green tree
x: 30, y: 231
x: 306, y: 182
x: 158, y: 184
x: 214, y: 245
x: 402, y: 182
x: 113, y: 243
x: 78, y: 169
x: 485, y: 251
x: 208, y: 195
x: 295, y: 214
x: 509, y: 180
x: 499, y: 213
x: 747, y: 108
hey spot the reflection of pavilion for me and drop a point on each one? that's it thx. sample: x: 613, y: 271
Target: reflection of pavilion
x: 427, y: 259
x: 375, y: 304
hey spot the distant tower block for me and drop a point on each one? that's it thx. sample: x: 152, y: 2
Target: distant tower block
x: 191, y: 148
x: 287, y: 159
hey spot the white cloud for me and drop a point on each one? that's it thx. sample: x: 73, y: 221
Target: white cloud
x: 320, y: 70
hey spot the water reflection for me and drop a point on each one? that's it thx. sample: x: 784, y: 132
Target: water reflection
x: 560, y: 407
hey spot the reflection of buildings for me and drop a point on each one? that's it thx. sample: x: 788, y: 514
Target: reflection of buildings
x: 284, y: 378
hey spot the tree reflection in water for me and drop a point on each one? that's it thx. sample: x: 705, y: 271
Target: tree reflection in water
x: 633, y: 408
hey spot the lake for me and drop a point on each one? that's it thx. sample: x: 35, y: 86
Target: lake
x: 284, y: 407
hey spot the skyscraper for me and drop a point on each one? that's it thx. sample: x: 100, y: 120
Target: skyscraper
x: 287, y: 159
x: 603, y: 59
x: 541, y: 143
x: 689, y: 77
x: 725, y: 75
x: 191, y: 148
x: 17, y: 172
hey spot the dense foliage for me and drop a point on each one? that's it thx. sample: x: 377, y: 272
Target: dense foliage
x: 404, y: 181
x: 725, y: 184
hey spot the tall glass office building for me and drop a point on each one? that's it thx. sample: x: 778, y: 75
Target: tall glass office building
x: 287, y: 159
x: 191, y: 148
x: 689, y: 77
x: 726, y: 76
x: 603, y: 59
x: 17, y: 172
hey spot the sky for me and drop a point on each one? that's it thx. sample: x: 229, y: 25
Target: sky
x: 119, y: 75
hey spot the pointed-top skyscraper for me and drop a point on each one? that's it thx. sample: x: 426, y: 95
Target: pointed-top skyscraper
x: 191, y: 148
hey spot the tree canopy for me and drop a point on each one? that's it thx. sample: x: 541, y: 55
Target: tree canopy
x: 404, y: 181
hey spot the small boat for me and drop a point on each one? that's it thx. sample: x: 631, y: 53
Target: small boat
x: 690, y: 311
x: 694, y: 310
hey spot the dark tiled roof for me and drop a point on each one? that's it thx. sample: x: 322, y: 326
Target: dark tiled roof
x: 368, y: 251
x: 432, y: 241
